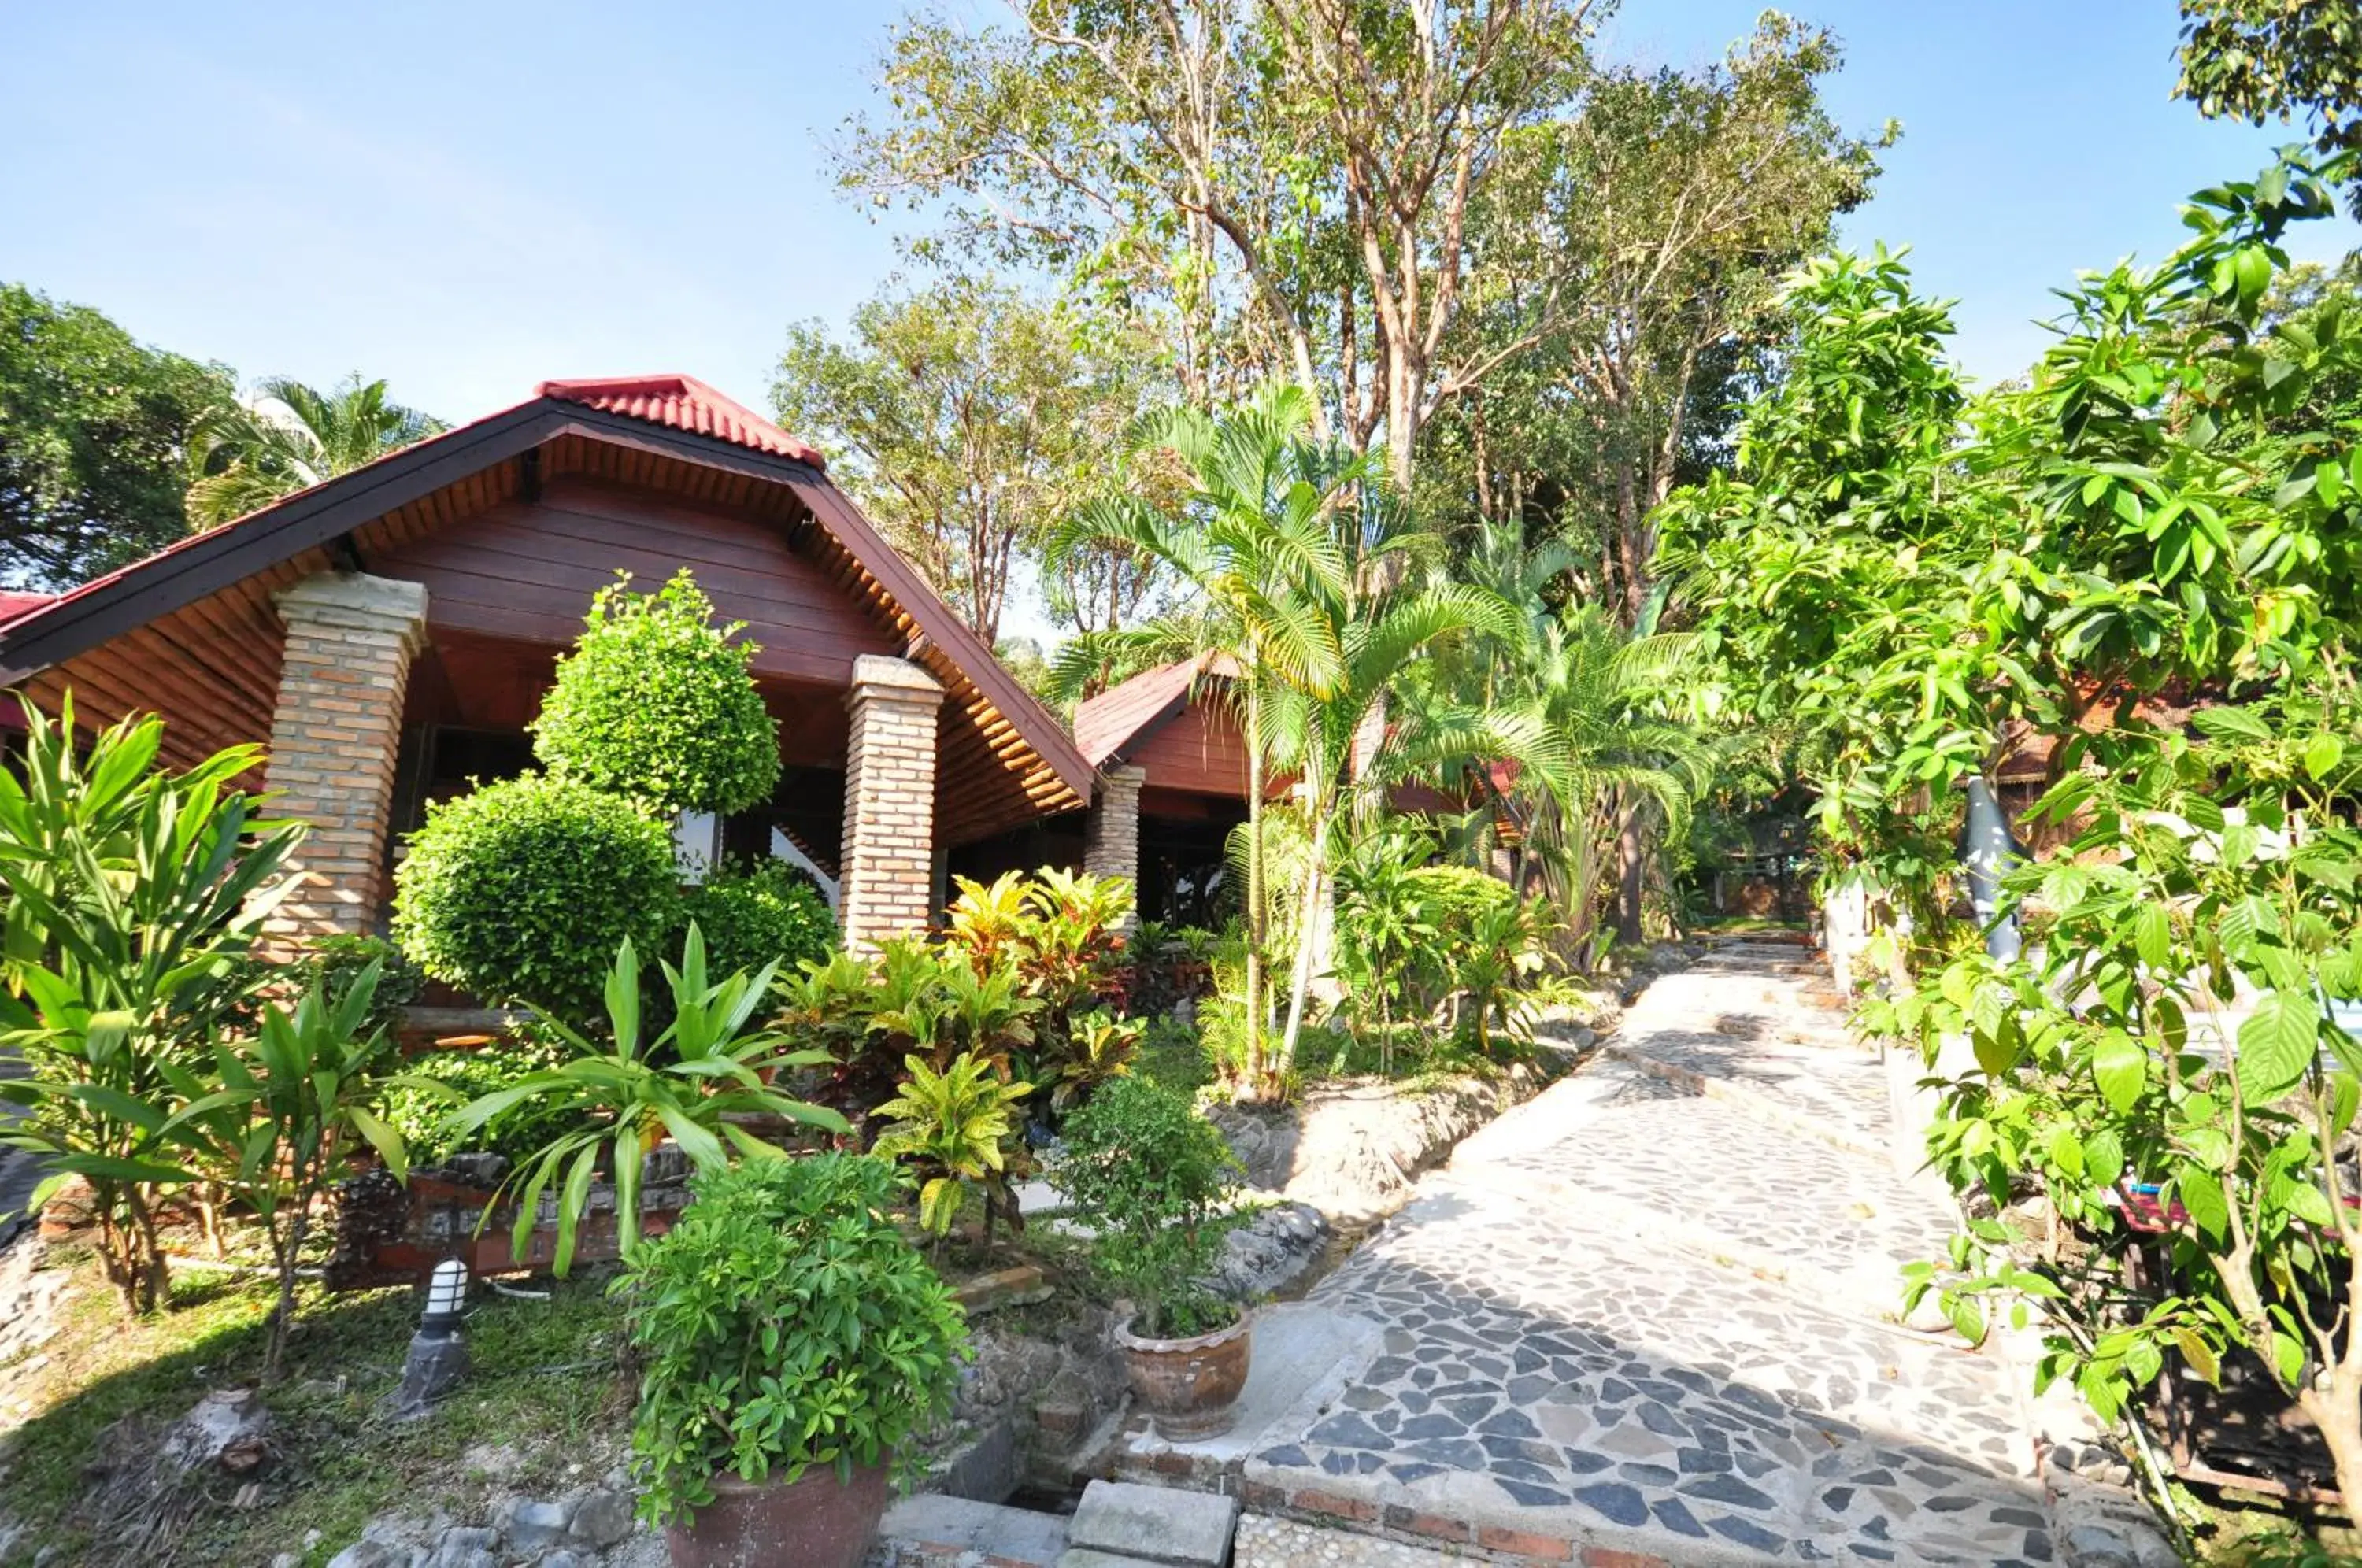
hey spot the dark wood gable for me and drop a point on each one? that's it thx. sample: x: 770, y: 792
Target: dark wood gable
x: 511, y: 525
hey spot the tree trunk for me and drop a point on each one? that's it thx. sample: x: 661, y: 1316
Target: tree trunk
x: 1632, y: 853
x: 1315, y: 885
x: 1253, y: 1064
x: 2336, y: 1413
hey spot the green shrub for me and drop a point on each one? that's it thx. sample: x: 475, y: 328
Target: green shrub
x: 523, y: 890
x: 656, y: 702
x: 784, y: 1322
x: 423, y: 1117
x: 1146, y: 1175
x: 760, y: 912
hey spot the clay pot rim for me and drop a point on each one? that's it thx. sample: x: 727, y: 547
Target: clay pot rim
x: 1131, y: 1342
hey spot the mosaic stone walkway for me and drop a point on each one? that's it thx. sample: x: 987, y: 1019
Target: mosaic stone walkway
x: 1652, y: 1311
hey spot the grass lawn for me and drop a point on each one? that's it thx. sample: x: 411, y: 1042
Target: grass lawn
x: 545, y: 1384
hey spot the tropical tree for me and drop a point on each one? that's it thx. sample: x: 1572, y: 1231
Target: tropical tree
x: 1630, y: 261
x: 1827, y: 578
x: 95, y: 431
x: 1249, y: 543
x: 965, y: 417
x: 1285, y: 192
x: 1915, y: 580
x: 1569, y: 737
x: 288, y: 437
x: 1335, y: 736
x: 282, y: 1111
x: 2261, y: 59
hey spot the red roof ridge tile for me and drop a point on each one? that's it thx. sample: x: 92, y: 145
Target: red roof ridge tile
x: 682, y: 402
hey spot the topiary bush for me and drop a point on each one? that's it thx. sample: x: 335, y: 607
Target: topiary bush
x: 657, y: 702
x: 758, y: 913
x: 523, y: 890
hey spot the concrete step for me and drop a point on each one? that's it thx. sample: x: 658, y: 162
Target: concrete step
x: 935, y: 1525
x: 1128, y: 1522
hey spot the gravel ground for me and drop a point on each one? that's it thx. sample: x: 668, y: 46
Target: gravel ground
x: 1276, y: 1543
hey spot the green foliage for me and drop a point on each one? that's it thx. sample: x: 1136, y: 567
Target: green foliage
x: 955, y: 1127
x: 288, y: 437
x: 1410, y: 936
x: 334, y: 963
x: 134, y: 899
x: 1101, y: 1047
x: 289, y: 1106
x: 1149, y: 1175
x: 2209, y: 874
x: 1165, y: 967
x: 1062, y: 932
x: 2170, y: 506
x: 1023, y: 960
x: 1649, y: 326
x: 418, y: 1106
x: 758, y: 913
x: 1299, y: 560
x: 2266, y: 59
x: 784, y: 1323
x: 95, y: 433
x: 692, y: 1084
x: 656, y: 702
x: 522, y: 890
x: 964, y: 418
x: 1569, y: 727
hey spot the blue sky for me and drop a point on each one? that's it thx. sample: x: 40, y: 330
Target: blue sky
x: 469, y: 199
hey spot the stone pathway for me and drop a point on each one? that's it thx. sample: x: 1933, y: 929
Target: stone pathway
x: 1652, y: 1311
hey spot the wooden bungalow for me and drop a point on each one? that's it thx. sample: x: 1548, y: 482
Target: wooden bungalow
x: 1171, y: 740
x: 388, y: 635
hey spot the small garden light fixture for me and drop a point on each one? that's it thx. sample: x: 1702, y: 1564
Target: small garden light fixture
x: 438, y: 1355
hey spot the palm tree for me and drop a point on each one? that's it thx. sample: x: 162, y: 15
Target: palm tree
x: 1255, y: 544
x: 1564, y: 739
x: 1339, y: 742
x: 290, y: 436
x: 1300, y: 556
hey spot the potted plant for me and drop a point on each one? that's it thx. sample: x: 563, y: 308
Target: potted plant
x: 790, y: 1341
x: 1148, y: 1177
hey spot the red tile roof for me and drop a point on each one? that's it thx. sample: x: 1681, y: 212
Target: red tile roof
x: 683, y: 403
x: 1129, y: 711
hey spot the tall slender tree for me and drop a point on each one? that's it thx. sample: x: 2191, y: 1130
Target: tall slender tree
x: 1286, y: 190
x: 1247, y: 544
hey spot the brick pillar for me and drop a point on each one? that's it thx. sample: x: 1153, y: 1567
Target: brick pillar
x: 889, y: 801
x: 1112, y: 836
x: 334, y: 739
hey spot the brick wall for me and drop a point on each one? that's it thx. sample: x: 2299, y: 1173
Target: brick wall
x: 889, y: 801
x: 1112, y: 837
x: 334, y: 737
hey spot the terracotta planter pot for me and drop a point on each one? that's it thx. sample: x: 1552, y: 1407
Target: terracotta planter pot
x: 1188, y: 1386
x: 815, y: 1521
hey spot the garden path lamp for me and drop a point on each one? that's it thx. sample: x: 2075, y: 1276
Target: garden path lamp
x: 438, y: 1355
x: 1987, y: 851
